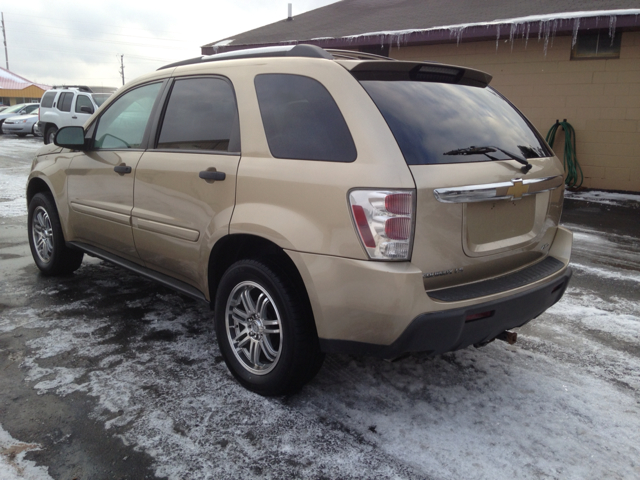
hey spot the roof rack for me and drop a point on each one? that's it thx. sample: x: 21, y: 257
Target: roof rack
x: 354, y: 55
x: 82, y: 88
x: 300, y: 50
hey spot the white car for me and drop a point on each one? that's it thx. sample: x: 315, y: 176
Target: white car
x: 67, y: 106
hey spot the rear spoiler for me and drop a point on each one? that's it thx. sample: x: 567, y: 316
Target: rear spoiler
x: 417, y: 71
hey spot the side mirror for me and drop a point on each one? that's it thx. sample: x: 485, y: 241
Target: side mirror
x: 70, y: 137
x: 88, y: 110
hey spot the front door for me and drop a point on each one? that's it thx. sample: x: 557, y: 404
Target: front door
x: 185, y: 186
x: 100, y: 180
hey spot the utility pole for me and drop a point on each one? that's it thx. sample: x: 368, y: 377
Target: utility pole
x: 121, y: 67
x: 4, y: 36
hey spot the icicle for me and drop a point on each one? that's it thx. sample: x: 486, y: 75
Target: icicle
x: 526, y: 41
x: 612, y: 27
x: 547, y: 32
x: 576, y: 27
x: 497, y: 37
x: 512, y: 32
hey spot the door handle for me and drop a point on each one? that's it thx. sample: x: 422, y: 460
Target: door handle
x: 122, y: 169
x: 209, y: 175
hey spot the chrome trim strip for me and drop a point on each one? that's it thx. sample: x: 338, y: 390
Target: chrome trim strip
x: 512, y: 190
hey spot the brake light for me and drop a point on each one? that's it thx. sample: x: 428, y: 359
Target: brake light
x: 384, y: 222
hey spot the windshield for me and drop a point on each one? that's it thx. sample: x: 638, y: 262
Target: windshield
x: 100, y: 98
x: 15, y: 108
x: 430, y: 120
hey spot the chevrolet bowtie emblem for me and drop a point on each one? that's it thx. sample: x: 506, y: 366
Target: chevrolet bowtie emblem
x: 518, y: 189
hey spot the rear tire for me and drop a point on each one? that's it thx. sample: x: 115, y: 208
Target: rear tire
x: 265, y: 330
x: 46, y: 239
x: 50, y: 134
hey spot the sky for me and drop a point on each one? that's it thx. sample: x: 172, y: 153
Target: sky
x: 73, y: 42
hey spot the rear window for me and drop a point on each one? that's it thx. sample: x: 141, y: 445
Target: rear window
x: 47, y: 99
x: 431, y: 121
x: 301, y: 119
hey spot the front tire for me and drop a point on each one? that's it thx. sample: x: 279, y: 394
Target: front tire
x: 46, y: 239
x: 265, y: 329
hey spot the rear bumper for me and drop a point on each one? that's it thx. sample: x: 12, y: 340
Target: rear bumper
x: 449, y: 330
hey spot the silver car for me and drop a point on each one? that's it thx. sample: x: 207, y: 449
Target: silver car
x: 22, y: 125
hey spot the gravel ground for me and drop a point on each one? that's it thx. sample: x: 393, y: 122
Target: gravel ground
x: 107, y: 375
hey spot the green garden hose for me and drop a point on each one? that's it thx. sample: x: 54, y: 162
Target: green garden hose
x: 572, y: 168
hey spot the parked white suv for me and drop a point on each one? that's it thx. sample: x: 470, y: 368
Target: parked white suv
x: 64, y: 106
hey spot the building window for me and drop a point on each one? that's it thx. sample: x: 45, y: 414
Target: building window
x: 596, y: 45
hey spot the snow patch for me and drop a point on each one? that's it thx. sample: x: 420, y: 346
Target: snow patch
x: 13, y: 465
x: 607, y: 198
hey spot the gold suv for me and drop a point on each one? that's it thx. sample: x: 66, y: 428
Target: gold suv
x: 319, y: 200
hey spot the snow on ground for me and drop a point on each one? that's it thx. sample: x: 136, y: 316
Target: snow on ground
x: 13, y: 179
x: 13, y: 465
x: 563, y: 403
x: 607, y: 198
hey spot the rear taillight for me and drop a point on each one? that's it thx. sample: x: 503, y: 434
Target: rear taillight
x: 384, y: 220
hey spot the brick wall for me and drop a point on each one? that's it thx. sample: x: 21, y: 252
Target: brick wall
x: 600, y: 98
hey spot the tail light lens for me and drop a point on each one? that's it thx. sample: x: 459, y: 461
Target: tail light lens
x: 384, y: 221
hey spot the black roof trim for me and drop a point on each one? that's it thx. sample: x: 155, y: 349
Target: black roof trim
x: 300, y: 50
x: 355, y: 55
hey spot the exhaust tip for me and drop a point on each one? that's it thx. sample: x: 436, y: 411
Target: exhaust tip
x: 509, y: 337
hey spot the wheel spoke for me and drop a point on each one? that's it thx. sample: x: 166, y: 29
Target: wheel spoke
x: 268, y: 349
x: 271, y: 331
x: 245, y: 339
x: 255, y: 357
x: 261, y: 305
x: 239, y: 321
x: 240, y: 313
x: 249, y: 306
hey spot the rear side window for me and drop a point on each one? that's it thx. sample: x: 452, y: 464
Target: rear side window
x: 47, y: 99
x: 436, y: 122
x: 201, y: 115
x: 64, y: 102
x: 301, y: 119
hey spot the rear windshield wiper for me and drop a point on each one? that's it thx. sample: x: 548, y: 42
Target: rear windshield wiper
x: 490, y: 149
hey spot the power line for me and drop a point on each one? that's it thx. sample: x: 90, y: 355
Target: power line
x: 67, y: 19
x: 102, y: 32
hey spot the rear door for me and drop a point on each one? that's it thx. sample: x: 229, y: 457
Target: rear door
x: 481, y: 211
x: 185, y: 185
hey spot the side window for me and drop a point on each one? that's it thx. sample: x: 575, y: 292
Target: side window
x: 64, y: 102
x: 83, y: 101
x: 301, y: 119
x: 201, y: 115
x: 47, y: 99
x: 124, y: 123
x: 31, y: 108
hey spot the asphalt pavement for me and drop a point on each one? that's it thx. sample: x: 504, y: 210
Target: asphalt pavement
x: 106, y: 375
